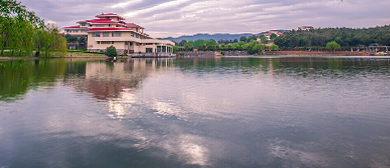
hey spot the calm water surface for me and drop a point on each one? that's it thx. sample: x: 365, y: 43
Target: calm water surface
x: 196, y: 112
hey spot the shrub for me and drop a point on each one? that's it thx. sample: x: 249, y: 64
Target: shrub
x: 111, y: 51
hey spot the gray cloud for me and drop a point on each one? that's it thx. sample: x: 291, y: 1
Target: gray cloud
x: 164, y: 18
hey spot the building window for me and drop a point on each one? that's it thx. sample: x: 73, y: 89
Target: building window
x: 99, y: 25
x: 83, y: 24
x: 149, y: 50
x: 137, y: 36
x: 109, y: 25
x: 116, y: 34
x: 132, y: 34
x: 96, y: 34
x: 106, y: 34
x: 98, y: 42
x: 164, y: 49
x: 106, y: 42
x: 158, y: 48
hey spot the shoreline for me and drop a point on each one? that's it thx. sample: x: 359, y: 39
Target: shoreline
x: 77, y: 55
x: 70, y: 55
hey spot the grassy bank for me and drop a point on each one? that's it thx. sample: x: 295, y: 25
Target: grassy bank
x: 84, y: 54
x: 70, y: 54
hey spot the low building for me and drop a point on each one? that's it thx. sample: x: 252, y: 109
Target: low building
x: 269, y: 33
x: 111, y: 29
x: 304, y: 28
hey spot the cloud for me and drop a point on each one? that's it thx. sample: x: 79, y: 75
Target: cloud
x: 126, y: 4
x: 158, y: 7
x: 174, y: 17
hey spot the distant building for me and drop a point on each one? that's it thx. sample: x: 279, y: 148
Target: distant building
x: 269, y: 33
x: 305, y: 28
x: 110, y: 29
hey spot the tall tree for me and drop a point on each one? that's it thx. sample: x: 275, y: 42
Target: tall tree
x: 243, y: 38
x: 16, y: 25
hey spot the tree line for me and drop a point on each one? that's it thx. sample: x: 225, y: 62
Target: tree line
x: 22, y: 32
x: 345, y: 37
x: 249, y: 44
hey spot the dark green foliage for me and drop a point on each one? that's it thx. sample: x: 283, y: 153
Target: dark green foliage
x: 273, y: 35
x: 243, y: 38
x: 111, y: 51
x: 346, y: 37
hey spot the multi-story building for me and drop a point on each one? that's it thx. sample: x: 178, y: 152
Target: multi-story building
x: 110, y: 29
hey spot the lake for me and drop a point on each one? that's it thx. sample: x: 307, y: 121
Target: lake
x: 229, y: 112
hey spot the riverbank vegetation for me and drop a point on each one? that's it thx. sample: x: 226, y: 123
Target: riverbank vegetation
x: 320, y: 39
x: 249, y: 44
x: 22, y: 33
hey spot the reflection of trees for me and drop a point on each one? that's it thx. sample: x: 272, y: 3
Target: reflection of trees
x: 296, y: 66
x: 108, y: 80
x: 17, y: 77
x: 104, y: 80
x: 331, y: 67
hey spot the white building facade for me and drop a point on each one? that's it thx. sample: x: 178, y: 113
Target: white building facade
x: 110, y: 29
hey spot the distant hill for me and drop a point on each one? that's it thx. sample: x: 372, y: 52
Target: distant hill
x: 216, y: 37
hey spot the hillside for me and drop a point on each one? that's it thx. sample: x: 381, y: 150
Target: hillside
x: 216, y: 37
x: 346, y: 37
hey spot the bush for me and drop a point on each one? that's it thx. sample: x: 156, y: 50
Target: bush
x: 111, y: 51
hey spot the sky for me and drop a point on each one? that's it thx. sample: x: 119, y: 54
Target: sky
x: 173, y: 18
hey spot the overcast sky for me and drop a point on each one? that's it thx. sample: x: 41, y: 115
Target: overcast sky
x: 163, y: 18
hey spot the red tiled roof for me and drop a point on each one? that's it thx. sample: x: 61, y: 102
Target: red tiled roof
x: 73, y: 27
x: 132, y: 25
x: 101, y: 21
x: 110, y: 29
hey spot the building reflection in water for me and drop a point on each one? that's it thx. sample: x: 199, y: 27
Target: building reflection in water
x: 115, y: 83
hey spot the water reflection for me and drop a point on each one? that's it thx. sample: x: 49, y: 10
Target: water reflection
x: 198, y: 112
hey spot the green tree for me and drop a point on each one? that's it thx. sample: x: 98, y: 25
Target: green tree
x: 263, y: 39
x: 273, y: 47
x: 183, y: 42
x: 333, y: 45
x: 255, y: 47
x: 250, y: 38
x: 111, y: 51
x: 188, y: 47
x: 243, y: 38
x: 20, y: 29
x: 175, y: 49
x: 273, y: 35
